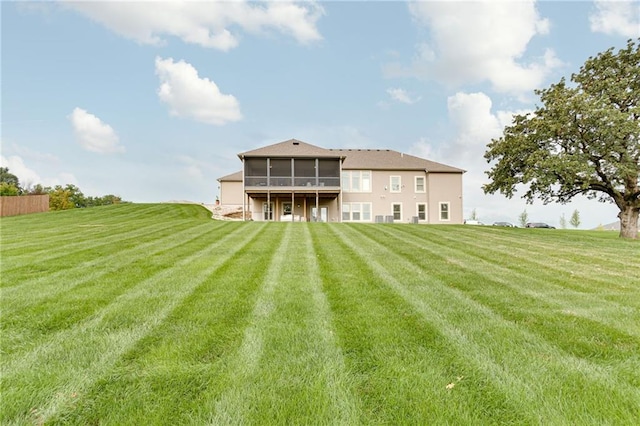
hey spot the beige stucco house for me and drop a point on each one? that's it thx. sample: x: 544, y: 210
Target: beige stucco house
x: 297, y: 181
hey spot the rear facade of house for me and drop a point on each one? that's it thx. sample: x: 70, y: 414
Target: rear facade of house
x: 297, y: 181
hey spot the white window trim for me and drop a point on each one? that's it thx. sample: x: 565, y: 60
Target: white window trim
x: 399, y: 183
x: 349, y: 173
x: 361, y: 211
x: 448, y: 204
x: 424, y: 184
x: 393, y: 213
x: 425, y: 211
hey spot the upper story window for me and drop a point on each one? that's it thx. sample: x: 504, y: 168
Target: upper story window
x: 356, y: 180
x: 420, y: 184
x: 395, y: 184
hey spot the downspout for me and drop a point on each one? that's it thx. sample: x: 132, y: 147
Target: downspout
x: 427, y: 196
x: 269, y: 212
x: 244, y: 193
x: 340, y: 193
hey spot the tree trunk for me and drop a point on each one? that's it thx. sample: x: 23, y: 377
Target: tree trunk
x: 629, y: 221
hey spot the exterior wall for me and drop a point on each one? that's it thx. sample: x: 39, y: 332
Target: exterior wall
x: 23, y: 204
x: 439, y: 188
x: 231, y: 193
x: 445, y: 188
x: 382, y: 198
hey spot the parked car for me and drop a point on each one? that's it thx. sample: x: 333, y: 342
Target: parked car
x: 473, y: 222
x: 506, y: 224
x: 539, y: 225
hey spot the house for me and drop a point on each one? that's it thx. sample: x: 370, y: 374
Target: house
x: 297, y: 181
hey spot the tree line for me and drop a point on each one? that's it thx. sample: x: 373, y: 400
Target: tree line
x: 60, y: 197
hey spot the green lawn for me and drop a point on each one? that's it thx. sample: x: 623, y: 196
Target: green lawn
x: 156, y: 314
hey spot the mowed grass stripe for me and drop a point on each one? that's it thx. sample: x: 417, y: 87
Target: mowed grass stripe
x: 61, y: 226
x: 61, y: 301
x: 500, y: 280
x: 90, y: 267
x: 288, y: 369
x: 71, y: 361
x: 496, y: 346
x: 400, y: 364
x: 86, y: 243
x: 601, y: 336
x: 172, y: 374
x: 540, y: 264
x: 554, y: 250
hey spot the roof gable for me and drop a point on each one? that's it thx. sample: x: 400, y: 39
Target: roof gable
x: 290, y: 148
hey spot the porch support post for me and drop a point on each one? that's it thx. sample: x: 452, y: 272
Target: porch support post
x: 317, y: 205
x: 293, y: 205
x: 269, y: 212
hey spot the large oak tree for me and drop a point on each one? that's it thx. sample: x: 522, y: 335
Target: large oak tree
x: 583, y: 139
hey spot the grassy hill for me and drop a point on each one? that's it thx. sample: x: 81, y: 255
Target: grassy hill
x: 156, y: 314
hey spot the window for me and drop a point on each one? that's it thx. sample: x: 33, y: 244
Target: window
x: 366, y: 181
x: 395, y: 184
x: 356, y: 181
x: 397, y: 211
x: 422, y: 211
x: 444, y: 211
x: 420, y: 184
x: 346, y: 212
x: 356, y: 212
x: 366, y: 212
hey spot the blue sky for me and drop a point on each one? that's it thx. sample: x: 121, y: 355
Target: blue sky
x: 152, y: 101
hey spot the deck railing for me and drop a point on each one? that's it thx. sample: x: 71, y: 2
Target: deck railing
x: 304, y: 182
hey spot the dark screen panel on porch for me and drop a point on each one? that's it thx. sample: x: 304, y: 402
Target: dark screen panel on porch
x: 305, y: 167
x: 255, y: 167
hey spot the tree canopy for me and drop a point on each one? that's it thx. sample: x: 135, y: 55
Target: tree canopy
x: 60, y: 197
x: 583, y: 139
x: 9, y: 183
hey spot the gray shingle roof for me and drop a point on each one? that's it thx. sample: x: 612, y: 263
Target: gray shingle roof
x: 367, y: 159
x: 387, y: 159
x: 233, y: 177
x: 290, y: 148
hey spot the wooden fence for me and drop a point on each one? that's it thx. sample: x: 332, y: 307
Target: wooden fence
x: 23, y: 204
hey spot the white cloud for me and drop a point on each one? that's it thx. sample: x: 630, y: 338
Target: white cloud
x: 401, y: 95
x: 29, y: 177
x: 94, y: 135
x: 25, y: 175
x: 474, y: 125
x: 208, y: 24
x: 616, y: 18
x: 188, y: 95
x: 479, y: 41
